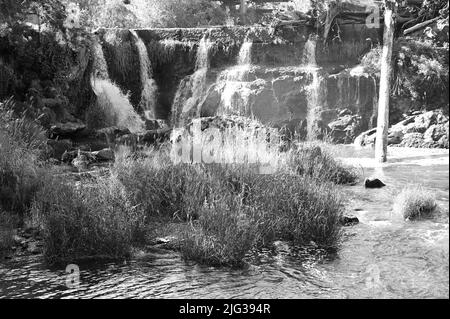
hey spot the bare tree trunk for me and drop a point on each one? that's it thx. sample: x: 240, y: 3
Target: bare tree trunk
x: 385, y: 87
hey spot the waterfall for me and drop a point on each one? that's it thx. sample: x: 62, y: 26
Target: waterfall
x: 196, y: 84
x: 235, y: 91
x: 245, y: 53
x: 314, y: 89
x: 149, y: 88
x: 112, y: 102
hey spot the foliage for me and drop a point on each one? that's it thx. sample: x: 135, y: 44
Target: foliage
x: 150, y: 13
x: 21, y: 144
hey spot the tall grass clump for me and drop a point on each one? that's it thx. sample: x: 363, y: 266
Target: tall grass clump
x: 21, y: 146
x: 309, y: 159
x: 88, y: 220
x: 223, y: 234
x: 297, y: 209
x: 161, y: 188
x: 414, y: 203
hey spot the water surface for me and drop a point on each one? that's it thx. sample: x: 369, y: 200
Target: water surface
x: 382, y: 257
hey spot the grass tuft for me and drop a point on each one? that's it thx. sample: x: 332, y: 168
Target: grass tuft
x: 309, y: 159
x: 85, y: 221
x: 415, y: 203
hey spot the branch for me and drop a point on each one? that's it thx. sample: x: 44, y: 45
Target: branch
x: 419, y: 26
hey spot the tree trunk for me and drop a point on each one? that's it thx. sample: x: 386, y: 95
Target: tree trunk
x: 385, y: 87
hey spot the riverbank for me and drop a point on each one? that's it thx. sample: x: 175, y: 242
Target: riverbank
x: 227, y: 209
x: 383, y: 245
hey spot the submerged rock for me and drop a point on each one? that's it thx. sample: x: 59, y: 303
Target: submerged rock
x: 373, y: 183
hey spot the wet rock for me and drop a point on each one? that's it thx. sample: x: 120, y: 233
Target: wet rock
x: 69, y: 156
x: 412, y: 140
x: 81, y: 162
x: 68, y: 129
x: 395, y: 137
x: 106, y: 154
x: 345, y: 129
x: 366, y: 138
x: 373, y: 183
x: 419, y: 130
x: 59, y: 147
x: 348, y: 220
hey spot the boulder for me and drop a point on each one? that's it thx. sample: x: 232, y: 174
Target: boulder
x: 345, y: 129
x: 81, y: 162
x: 373, y: 183
x: 67, y: 129
x: 58, y: 147
x: 412, y: 140
x: 366, y: 138
x: 435, y: 132
x: 395, y: 136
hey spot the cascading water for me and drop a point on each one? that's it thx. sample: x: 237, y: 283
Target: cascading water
x: 149, y: 87
x: 235, y: 91
x: 196, y: 85
x: 314, y: 89
x: 110, y: 98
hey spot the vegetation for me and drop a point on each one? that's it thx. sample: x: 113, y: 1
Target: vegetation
x: 309, y: 159
x: 414, y: 203
x: 87, y: 220
x: 232, y: 208
x: 21, y: 145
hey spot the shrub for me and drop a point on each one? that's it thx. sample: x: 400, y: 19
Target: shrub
x: 309, y: 159
x: 414, y: 202
x: 89, y: 220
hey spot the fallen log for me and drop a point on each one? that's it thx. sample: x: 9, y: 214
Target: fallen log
x: 419, y: 26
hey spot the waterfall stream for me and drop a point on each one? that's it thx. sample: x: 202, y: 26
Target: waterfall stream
x: 235, y: 90
x: 196, y: 84
x: 149, y: 88
x: 314, y: 95
x: 110, y: 99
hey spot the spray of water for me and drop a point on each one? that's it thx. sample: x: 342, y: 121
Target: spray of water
x: 197, y: 84
x: 235, y: 91
x: 110, y: 98
x: 149, y: 87
x: 314, y: 89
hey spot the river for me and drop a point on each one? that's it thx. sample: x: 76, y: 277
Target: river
x: 381, y: 257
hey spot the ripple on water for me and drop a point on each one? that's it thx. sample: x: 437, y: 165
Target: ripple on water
x: 382, y: 257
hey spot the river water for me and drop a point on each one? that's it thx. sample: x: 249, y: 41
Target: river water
x: 381, y: 257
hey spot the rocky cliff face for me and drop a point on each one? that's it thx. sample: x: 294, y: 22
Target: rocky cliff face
x: 284, y: 80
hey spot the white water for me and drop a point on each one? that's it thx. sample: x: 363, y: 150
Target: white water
x: 110, y: 98
x: 149, y: 87
x: 314, y: 89
x: 235, y: 91
x: 197, y: 84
